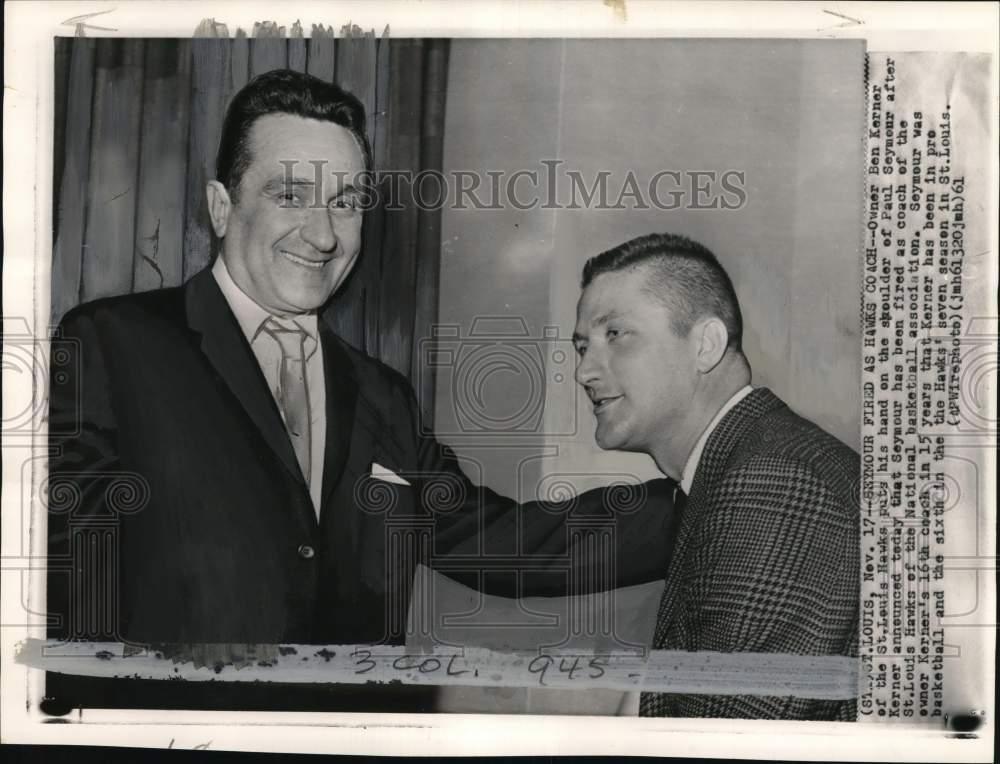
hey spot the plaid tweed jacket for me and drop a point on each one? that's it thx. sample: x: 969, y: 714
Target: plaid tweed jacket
x: 766, y: 557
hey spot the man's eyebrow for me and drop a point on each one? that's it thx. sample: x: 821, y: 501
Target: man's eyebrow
x: 604, y: 318
x: 282, y: 182
x: 601, y: 320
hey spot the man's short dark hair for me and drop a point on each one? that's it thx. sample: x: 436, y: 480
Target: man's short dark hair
x: 283, y: 91
x: 683, y: 274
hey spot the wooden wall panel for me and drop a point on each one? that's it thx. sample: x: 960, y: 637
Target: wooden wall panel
x: 398, y: 263
x: 354, y: 310
x: 211, y: 86
x: 117, y: 113
x: 239, y: 61
x: 159, y: 227
x: 71, y: 210
x: 428, y: 269
x: 63, y: 53
x: 297, y: 49
x: 357, y: 57
x: 321, y: 53
x: 268, y: 50
x: 383, y: 95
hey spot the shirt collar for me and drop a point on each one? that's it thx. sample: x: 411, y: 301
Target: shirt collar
x: 687, y: 477
x: 249, y: 314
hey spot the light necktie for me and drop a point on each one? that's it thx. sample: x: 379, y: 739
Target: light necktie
x: 293, y: 392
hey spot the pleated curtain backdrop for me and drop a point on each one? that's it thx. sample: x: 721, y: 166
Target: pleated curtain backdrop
x: 137, y: 125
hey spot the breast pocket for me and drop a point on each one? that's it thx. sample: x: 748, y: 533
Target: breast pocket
x: 385, y: 497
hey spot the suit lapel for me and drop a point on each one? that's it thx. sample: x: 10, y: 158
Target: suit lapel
x: 357, y: 432
x: 728, y: 435
x: 719, y: 449
x: 341, y: 404
x: 225, y: 346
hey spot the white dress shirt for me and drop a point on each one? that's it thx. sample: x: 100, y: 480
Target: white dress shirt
x: 251, y: 317
x: 630, y: 703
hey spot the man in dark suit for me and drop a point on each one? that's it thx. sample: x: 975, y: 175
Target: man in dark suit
x: 278, y: 487
x: 766, y: 553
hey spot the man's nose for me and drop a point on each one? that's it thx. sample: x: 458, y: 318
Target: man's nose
x: 318, y: 231
x: 588, y: 369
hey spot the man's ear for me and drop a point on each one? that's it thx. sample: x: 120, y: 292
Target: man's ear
x: 219, y: 206
x: 712, y: 338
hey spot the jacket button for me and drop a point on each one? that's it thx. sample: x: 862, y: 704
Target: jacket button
x: 306, y: 552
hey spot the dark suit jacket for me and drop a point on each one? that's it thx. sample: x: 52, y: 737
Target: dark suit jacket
x: 766, y: 557
x: 168, y: 401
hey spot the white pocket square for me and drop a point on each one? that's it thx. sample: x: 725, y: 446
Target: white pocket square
x: 384, y: 473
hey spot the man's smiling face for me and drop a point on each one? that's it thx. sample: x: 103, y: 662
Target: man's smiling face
x: 290, y: 242
x: 639, y: 374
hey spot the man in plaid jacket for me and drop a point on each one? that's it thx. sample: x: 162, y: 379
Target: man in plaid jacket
x: 766, y: 536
